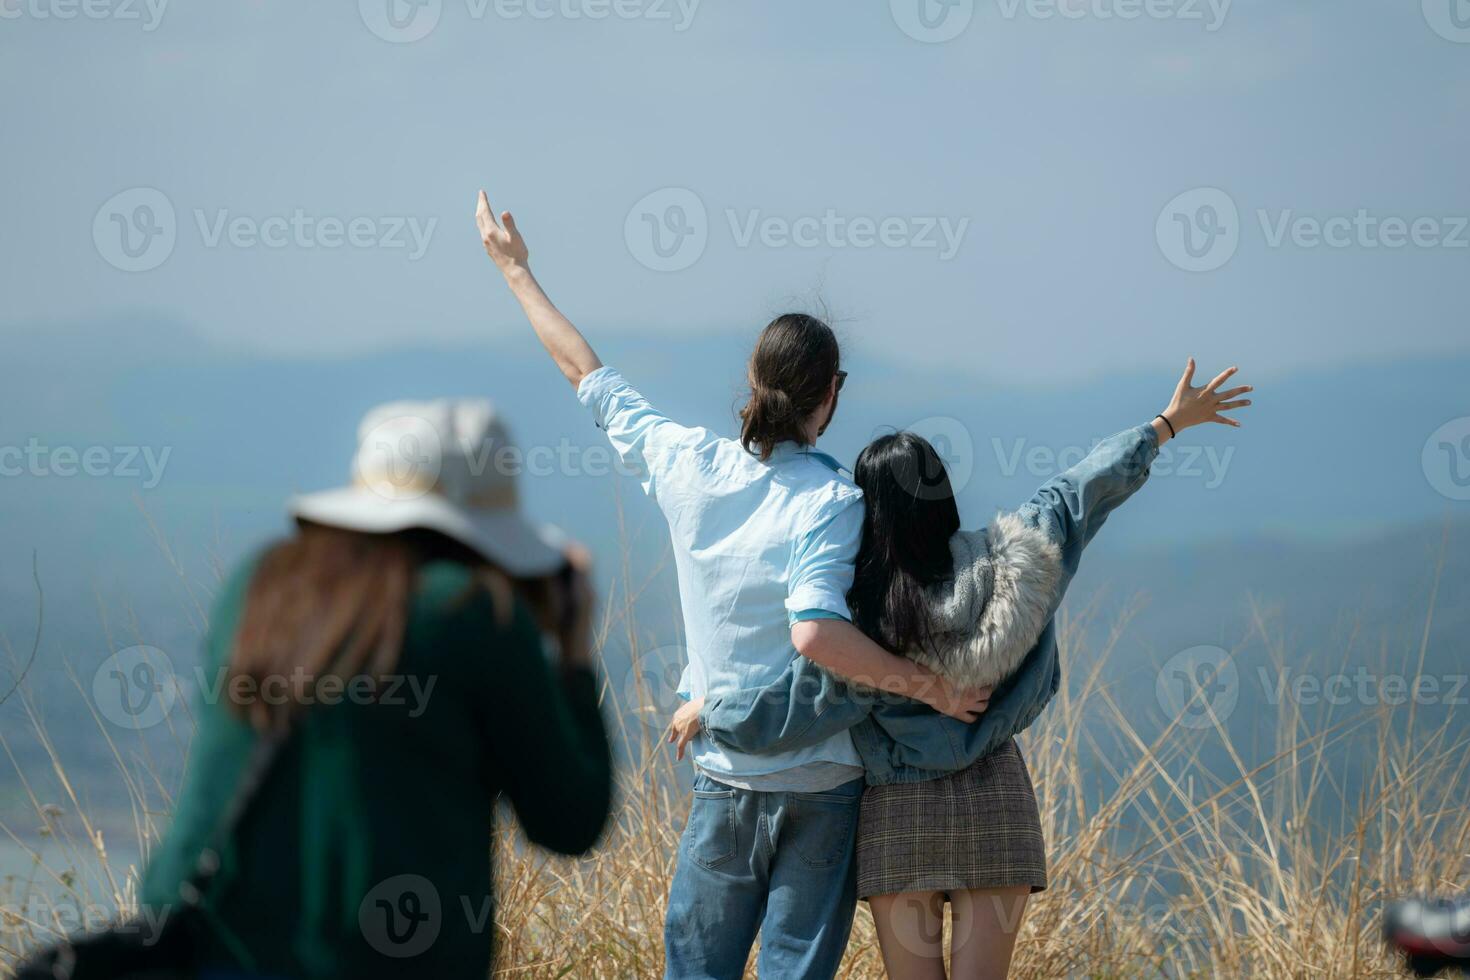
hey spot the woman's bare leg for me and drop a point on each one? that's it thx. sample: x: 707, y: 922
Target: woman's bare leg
x: 985, y: 924
x: 911, y: 934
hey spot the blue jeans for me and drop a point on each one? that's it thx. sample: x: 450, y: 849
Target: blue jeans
x: 780, y: 864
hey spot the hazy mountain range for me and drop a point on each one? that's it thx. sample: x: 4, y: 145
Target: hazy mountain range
x: 1317, y: 517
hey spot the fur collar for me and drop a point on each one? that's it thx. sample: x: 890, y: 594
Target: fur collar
x: 989, y: 615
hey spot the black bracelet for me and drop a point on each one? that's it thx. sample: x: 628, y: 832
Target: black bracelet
x: 1172, y: 433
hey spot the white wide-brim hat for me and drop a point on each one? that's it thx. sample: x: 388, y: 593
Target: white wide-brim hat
x: 447, y: 466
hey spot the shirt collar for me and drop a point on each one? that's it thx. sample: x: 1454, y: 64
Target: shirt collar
x: 790, y: 449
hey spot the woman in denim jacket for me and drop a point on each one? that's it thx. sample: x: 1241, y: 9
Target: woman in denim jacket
x: 949, y: 813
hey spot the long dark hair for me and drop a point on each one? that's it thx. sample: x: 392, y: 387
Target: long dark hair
x: 909, y: 518
x: 791, y: 371
x: 331, y: 603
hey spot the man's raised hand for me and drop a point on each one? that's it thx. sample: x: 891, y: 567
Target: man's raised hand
x: 502, y: 240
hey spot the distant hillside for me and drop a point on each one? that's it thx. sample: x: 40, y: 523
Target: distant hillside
x: 1318, y: 510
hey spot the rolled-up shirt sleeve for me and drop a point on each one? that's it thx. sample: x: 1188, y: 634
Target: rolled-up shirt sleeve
x: 822, y: 566
x: 645, y: 439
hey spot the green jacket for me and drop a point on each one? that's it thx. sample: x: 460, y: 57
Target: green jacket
x: 368, y: 851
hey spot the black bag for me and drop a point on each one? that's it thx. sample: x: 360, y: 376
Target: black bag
x: 167, y: 949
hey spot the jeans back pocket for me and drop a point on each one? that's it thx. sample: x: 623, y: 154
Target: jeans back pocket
x: 710, y: 837
x: 825, y: 826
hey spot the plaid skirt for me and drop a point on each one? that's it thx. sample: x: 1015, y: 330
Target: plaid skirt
x: 976, y: 828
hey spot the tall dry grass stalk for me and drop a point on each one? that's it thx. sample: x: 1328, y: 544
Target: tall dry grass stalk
x: 1162, y: 863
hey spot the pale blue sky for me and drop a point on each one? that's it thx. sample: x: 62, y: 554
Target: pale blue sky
x: 1054, y: 143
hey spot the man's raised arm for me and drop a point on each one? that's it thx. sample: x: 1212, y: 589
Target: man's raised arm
x: 564, y: 342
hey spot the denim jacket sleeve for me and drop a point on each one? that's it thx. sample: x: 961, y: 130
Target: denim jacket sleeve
x: 1072, y: 506
x: 804, y: 706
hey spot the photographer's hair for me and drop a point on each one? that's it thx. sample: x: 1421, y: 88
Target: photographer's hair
x: 910, y: 515
x: 328, y: 602
x: 791, y: 371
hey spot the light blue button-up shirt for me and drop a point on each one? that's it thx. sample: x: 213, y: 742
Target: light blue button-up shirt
x: 756, y: 545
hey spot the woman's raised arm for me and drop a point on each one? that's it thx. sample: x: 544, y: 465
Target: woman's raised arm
x: 1072, y: 506
x: 564, y: 342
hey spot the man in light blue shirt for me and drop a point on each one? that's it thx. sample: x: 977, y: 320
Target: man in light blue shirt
x: 765, y: 532
x: 750, y: 538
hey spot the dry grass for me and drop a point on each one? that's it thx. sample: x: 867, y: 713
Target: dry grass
x: 1160, y: 864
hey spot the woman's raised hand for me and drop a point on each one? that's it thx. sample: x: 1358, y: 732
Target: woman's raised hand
x: 502, y: 240
x: 1195, y: 406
